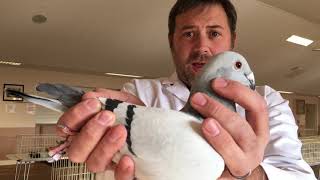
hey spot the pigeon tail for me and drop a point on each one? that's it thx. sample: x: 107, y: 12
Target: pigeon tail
x: 46, y: 102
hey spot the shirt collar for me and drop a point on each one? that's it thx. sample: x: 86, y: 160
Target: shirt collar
x: 171, y: 80
x: 176, y: 87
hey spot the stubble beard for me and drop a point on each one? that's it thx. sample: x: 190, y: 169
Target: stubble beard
x: 186, y: 73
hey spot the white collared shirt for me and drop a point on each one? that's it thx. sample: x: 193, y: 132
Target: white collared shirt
x: 282, y: 158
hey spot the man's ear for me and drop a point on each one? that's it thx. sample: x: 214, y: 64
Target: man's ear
x: 233, y: 40
x: 170, y: 39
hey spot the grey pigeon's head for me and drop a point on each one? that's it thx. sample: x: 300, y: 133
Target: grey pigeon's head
x: 228, y: 65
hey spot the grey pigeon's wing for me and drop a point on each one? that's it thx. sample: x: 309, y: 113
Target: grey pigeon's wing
x: 67, y: 95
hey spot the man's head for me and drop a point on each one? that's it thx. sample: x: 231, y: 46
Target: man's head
x: 198, y: 30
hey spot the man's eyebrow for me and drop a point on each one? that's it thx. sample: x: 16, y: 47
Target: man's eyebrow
x: 215, y: 27
x: 188, y: 27
x: 210, y: 27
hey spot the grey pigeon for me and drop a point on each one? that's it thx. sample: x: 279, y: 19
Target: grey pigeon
x: 167, y: 144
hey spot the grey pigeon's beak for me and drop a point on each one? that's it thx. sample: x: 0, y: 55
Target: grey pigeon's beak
x: 250, y: 78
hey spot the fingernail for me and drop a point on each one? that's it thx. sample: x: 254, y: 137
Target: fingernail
x: 220, y: 83
x: 127, y: 167
x: 113, y: 136
x: 93, y: 104
x: 199, y: 99
x: 211, y: 128
x: 51, y: 153
x: 105, y: 118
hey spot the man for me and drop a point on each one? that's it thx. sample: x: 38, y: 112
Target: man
x: 198, y: 30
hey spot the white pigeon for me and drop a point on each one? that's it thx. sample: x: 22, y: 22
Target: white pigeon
x: 164, y: 144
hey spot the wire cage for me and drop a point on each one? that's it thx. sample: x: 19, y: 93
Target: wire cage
x: 22, y: 166
x: 30, y: 149
x: 311, y: 149
x: 64, y: 169
x: 35, y: 147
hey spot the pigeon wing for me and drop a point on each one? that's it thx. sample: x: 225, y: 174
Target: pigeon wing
x: 67, y: 95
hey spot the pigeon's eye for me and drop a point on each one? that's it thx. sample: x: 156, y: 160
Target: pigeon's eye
x: 238, y: 65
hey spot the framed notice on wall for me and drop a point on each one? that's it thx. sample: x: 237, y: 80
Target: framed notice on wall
x: 300, y: 106
x: 10, y: 97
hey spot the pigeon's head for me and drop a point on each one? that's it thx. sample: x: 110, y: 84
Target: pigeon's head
x: 228, y: 65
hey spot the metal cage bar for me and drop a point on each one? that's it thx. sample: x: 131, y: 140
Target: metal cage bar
x: 31, y: 148
x: 311, y: 149
x: 64, y: 169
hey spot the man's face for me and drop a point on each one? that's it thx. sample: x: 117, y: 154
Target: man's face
x: 200, y: 33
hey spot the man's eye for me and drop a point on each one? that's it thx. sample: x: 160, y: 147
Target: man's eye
x: 188, y: 34
x: 214, y: 34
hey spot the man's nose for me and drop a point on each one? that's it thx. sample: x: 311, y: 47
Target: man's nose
x: 203, y: 45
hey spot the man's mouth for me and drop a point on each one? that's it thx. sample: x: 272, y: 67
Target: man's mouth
x: 197, y: 66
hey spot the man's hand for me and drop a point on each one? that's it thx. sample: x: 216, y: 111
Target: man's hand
x: 241, y: 142
x: 98, y: 140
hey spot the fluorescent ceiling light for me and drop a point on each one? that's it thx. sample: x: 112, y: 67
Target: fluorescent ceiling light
x: 10, y: 63
x: 299, y: 40
x: 285, y: 92
x: 123, y: 75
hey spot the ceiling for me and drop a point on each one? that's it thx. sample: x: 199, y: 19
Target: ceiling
x: 130, y: 37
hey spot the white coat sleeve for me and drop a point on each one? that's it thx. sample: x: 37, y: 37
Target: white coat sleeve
x: 283, y: 159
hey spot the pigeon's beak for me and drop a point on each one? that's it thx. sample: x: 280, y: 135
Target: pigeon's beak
x: 250, y: 78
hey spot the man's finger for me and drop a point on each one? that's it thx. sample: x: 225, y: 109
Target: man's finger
x: 78, y: 115
x: 235, y: 91
x: 251, y: 101
x: 236, y: 126
x: 223, y: 143
x: 125, y: 169
x: 101, y: 157
x: 89, y: 136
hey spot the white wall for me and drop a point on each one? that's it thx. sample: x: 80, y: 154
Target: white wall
x: 30, y: 78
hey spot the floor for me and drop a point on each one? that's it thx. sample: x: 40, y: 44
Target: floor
x: 316, y: 170
x: 61, y: 170
x: 38, y: 171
